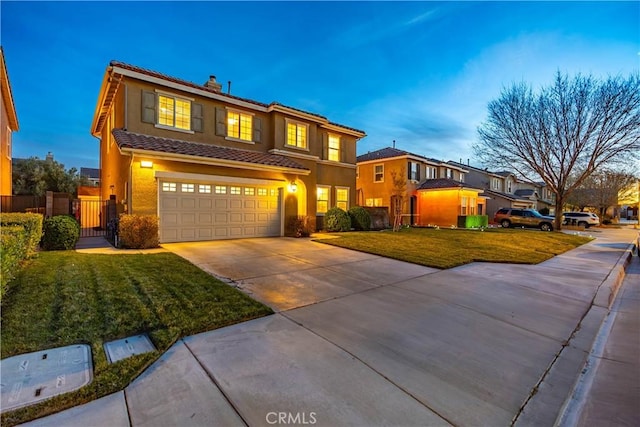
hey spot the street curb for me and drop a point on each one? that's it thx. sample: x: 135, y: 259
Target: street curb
x: 608, y: 290
x: 605, y: 297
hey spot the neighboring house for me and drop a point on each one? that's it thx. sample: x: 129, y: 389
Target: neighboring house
x: 8, y: 125
x: 504, y: 190
x: 629, y: 201
x: 215, y: 166
x: 92, y: 175
x: 436, y: 192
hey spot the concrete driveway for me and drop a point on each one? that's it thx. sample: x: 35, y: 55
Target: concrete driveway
x: 286, y: 273
x: 363, y: 340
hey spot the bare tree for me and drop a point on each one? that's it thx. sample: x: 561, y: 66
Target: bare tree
x: 564, y: 132
x: 602, y: 190
x: 398, y: 193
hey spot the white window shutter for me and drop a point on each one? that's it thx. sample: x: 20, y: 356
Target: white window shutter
x: 197, y: 120
x: 148, y: 107
x: 257, y: 129
x: 221, y: 122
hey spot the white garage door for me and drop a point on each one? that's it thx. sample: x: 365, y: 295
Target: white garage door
x: 191, y: 211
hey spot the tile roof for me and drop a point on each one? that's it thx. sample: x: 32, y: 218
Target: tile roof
x: 525, y: 192
x: 205, y: 88
x: 432, y: 184
x: 389, y: 152
x: 506, y: 196
x: 90, y: 172
x: 137, y: 141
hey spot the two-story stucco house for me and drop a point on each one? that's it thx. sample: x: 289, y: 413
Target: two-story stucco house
x: 212, y: 165
x: 436, y: 192
x: 8, y: 125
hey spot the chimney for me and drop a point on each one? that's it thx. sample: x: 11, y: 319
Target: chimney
x: 213, y: 84
x: 49, y: 157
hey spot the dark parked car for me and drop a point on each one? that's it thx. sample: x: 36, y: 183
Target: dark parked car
x: 510, y: 217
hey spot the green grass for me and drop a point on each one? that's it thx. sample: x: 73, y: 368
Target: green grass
x: 63, y: 297
x: 445, y: 248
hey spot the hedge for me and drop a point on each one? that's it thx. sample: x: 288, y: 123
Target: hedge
x: 138, y: 231
x: 337, y: 219
x: 360, y: 218
x: 32, y: 225
x: 61, y: 232
x: 13, y: 250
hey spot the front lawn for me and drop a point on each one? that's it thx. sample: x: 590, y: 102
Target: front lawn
x: 446, y: 248
x: 64, y: 297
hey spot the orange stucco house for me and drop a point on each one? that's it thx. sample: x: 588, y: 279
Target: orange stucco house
x: 8, y: 125
x: 212, y: 165
x: 435, y: 194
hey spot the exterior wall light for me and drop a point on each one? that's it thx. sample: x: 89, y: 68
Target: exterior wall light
x: 146, y: 164
x: 293, y: 187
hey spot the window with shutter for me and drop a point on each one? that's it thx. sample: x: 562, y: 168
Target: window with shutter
x: 239, y: 125
x: 334, y: 148
x: 297, y: 134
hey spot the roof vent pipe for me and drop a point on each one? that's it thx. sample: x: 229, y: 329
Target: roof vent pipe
x: 229, y: 87
x: 394, y: 143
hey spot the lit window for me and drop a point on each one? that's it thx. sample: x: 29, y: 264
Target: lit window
x: 378, y: 173
x: 334, y: 148
x: 374, y: 202
x: 174, y: 112
x: 221, y: 189
x: 342, y: 198
x: 169, y: 186
x: 463, y: 206
x: 249, y: 191
x: 239, y: 125
x: 262, y: 191
x: 203, y: 188
x: 322, y: 198
x: 188, y: 188
x: 273, y: 192
x: 297, y: 135
x: 235, y: 190
x: 472, y: 206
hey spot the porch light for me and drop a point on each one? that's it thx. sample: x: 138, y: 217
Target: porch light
x: 293, y: 187
x: 146, y: 164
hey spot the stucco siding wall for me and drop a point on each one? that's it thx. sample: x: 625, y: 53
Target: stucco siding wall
x: 5, y: 155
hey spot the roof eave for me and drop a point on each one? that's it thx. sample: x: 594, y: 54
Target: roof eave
x: 160, y: 155
x: 7, y: 97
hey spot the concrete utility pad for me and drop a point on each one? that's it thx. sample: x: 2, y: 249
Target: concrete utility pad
x: 33, y: 377
x: 127, y: 347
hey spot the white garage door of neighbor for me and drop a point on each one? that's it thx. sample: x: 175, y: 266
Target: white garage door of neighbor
x: 191, y: 211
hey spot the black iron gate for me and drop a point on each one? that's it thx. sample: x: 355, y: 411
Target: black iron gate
x: 93, y: 216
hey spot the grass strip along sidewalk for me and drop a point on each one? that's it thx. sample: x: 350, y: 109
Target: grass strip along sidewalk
x: 447, y: 248
x: 64, y: 297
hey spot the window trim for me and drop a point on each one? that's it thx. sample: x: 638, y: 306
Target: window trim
x: 288, y: 121
x: 159, y: 93
x: 338, y: 150
x: 374, y: 173
x: 347, y: 189
x: 328, y: 188
x: 239, y: 112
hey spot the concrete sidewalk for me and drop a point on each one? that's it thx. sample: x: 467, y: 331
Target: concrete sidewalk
x: 379, y: 343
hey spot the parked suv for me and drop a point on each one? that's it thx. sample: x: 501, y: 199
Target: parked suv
x: 510, y: 217
x: 583, y: 219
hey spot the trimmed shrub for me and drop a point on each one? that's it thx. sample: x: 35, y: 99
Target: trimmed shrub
x: 337, y: 220
x: 61, y: 232
x: 360, y: 218
x: 31, y: 224
x: 299, y: 226
x: 14, y: 245
x: 138, y: 231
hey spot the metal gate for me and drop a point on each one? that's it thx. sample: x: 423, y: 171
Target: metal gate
x: 93, y: 216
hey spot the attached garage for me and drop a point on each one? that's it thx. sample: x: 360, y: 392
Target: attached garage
x: 193, y: 210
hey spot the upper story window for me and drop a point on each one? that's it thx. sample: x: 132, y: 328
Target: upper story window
x: 495, y: 184
x: 413, y: 171
x: 431, y: 172
x: 509, y: 186
x: 378, y: 173
x: 461, y: 177
x: 334, y: 148
x: 297, y: 135
x: 448, y: 173
x: 238, y: 125
x: 172, y: 112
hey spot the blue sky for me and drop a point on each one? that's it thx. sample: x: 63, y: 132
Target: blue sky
x: 420, y: 73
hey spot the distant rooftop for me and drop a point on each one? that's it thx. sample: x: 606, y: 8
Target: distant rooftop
x: 390, y: 152
x: 90, y: 173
